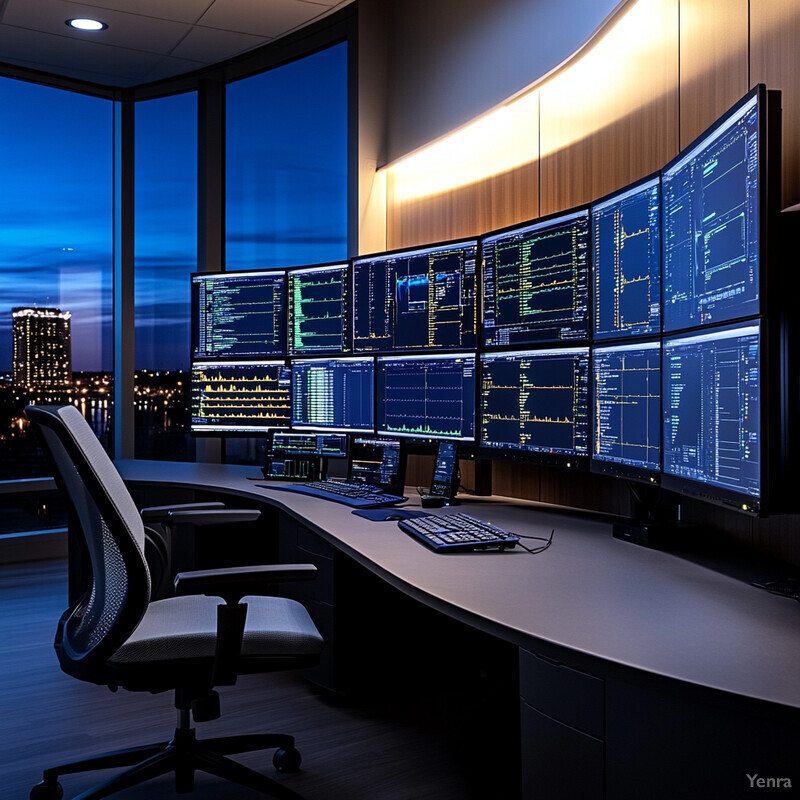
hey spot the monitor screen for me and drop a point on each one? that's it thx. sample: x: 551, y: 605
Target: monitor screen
x: 712, y: 413
x: 379, y: 462
x: 239, y: 314
x: 319, y: 299
x: 626, y: 250
x: 429, y: 396
x: 711, y: 206
x: 330, y: 445
x: 536, y: 282
x: 534, y: 405
x: 626, y: 403
x: 416, y: 299
x: 334, y: 394
x: 239, y: 396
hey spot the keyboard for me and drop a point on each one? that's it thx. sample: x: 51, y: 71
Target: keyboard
x: 358, y: 495
x: 457, y: 533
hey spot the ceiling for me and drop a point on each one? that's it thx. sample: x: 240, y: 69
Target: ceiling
x: 146, y: 40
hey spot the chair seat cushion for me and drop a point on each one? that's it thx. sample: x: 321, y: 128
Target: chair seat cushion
x: 186, y: 627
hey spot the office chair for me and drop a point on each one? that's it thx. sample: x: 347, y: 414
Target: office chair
x: 114, y: 635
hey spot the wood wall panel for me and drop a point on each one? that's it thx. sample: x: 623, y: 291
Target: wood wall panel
x: 713, y: 61
x: 509, y: 194
x: 775, y: 61
x: 467, y: 211
x: 611, y: 117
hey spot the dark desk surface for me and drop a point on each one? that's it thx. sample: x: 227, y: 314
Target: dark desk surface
x: 589, y: 592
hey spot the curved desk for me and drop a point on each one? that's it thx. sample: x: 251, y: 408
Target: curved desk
x: 629, y: 657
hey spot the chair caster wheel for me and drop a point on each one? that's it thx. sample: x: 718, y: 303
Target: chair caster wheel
x: 287, y: 760
x: 47, y: 791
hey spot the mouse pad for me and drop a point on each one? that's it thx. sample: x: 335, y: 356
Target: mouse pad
x: 383, y: 514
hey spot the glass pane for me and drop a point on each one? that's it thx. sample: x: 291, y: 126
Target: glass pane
x: 286, y: 164
x: 165, y: 256
x: 56, y: 240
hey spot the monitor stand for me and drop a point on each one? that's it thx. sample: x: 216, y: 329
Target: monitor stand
x: 655, y: 519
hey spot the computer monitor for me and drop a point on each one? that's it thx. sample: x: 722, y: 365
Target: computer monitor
x: 417, y: 299
x: 626, y: 262
x: 327, y: 445
x: 714, y: 432
x: 319, y: 306
x: 534, y: 406
x: 333, y: 394
x: 298, y: 456
x: 536, y: 282
x: 377, y: 461
x: 239, y: 397
x: 715, y: 218
x: 430, y: 396
x: 626, y: 406
x: 239, y: 314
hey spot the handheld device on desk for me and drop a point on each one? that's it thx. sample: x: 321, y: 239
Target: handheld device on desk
x: 444, y: 483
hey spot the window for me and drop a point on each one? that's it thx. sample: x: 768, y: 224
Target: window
x: 165, y: 256
x: 286, y: 164
x: 56, y: 245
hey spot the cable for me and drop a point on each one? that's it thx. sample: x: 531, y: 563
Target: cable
x: 536, y: 550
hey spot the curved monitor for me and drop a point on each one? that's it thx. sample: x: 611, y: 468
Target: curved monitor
x: 318, y: 307
x: 333, y: 394
x: 714, y: 413
x: 239, y: 397
x: 430, y: 396
x: 626, y: 410
x: 536, y: 282
x: 626, y: 262
x: 534, y: 406
x: 239, y: 314
x: 714, y: 198
x: 417, y: 299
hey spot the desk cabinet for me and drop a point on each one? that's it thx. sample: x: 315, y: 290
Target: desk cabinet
x: 562, y: 720
x: 298, y: 545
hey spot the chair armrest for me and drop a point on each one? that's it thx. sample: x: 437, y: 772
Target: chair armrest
x: 232, y: 584
x: 219, y: 516
x: 161, y: 513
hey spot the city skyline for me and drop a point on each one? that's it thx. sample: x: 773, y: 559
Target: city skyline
x: 56, y: 201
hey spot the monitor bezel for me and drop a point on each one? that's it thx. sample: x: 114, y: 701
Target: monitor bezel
x: 428, y: 437
x: 389, y: 254
x: 769, y: 181
x: 711, y: 492
x: 549, y: 219
x: 604, y: 466
x: 302, y: 427
x: 508, y: 452
x: 234, y: 432
x: 612, y: 197
x: 347, y: 334
x: 195, y: 314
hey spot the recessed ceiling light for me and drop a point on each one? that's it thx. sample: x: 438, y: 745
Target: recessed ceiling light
x: 84, y: 24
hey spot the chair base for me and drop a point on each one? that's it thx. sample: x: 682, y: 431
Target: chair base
x: 183, y: 755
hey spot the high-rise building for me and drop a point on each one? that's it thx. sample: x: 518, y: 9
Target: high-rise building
x: 42, y: 355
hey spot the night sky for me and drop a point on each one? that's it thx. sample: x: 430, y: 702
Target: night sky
x: 285, y: 200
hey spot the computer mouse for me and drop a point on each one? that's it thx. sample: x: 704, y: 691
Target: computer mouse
x: 393, y: 517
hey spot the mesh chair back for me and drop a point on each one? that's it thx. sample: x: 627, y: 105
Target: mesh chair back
x: 103, y: 513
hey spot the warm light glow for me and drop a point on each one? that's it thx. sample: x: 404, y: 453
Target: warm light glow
x: 85, y: 24
x: 586, y: 96
x: 498, y: 142
x: 508, y: 137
